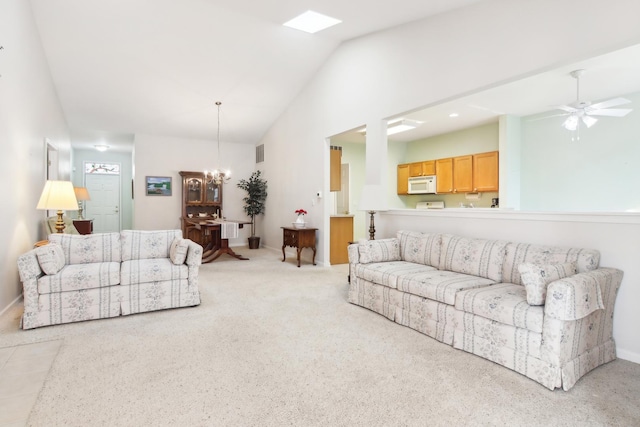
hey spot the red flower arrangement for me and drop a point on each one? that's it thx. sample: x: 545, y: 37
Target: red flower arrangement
x: 301, y: 212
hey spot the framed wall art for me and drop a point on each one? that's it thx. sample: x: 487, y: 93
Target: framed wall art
x: 158, y: 186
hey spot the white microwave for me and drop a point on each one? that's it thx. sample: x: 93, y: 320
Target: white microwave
x: 422, y: 185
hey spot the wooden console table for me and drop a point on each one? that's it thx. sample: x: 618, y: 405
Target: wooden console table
x: 299, y: 238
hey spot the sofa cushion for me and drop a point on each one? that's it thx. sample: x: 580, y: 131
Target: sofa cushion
x: 89, y: 248
x: 521, y: 253
x: 439, y: 285
x: 477, y: 257
x: 74, y: 277
x: 505, y: 303
x: 50, y: 258
x: 151, y: 270
x: 178, y: 250
x: 142, y: 244
x: 422, y: 248
x: 379, y: 250
x: 388, y: 273
x: 535, y: 278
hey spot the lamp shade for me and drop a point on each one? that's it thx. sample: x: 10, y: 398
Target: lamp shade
x: 58, y: 195
x: 373, y: 198
x: 82, y: 193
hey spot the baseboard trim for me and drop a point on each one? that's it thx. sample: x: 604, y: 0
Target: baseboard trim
x: 11, y: 304
x: 628, y: 355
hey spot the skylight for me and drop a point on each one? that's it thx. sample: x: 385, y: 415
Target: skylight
x: 311, y: 22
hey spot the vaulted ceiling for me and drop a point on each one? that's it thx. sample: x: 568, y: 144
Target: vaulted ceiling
x: 122, y: 67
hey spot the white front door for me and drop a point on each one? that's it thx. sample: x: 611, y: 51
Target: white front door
x: 104, y: 206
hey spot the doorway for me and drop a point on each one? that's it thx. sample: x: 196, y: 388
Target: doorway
x: 104, y: 206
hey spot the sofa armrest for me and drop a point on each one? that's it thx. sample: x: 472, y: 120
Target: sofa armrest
x: 194, y: 254
x: 577, y: 296
x: 354, y: 254
x: 30, y: 271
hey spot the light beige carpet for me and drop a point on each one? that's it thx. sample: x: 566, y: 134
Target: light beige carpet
x: 273, y: 344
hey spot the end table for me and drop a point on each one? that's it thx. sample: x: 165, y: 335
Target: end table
x: 299, y: 238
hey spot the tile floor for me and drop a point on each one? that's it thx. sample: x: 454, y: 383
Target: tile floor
x: 23, y: 370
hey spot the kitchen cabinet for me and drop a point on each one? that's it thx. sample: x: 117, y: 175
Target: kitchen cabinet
x: 463, y: 174
x: 485, y: 171
x: 403, y: 179
x: 335, y: 176
x: 341, y: 233
x: 444, y: 175
x: 425, y: 168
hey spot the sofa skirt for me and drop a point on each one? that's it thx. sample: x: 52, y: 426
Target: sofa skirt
x: 74, y: 306
x: 432, y: 318
x: 151, y: 296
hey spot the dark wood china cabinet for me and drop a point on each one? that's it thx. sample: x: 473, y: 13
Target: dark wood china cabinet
x: 201, y: 198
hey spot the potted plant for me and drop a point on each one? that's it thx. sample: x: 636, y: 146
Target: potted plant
x: 256, y: 189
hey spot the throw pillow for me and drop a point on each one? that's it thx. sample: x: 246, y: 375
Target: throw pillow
x: 178, y: 250
x: 50, y: 258
x: 535, y: 278
x: 379, y: 251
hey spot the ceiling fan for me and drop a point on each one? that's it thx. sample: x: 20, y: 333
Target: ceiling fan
x: 583, y: 111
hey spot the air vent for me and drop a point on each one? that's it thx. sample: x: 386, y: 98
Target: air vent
x: 260, y: 153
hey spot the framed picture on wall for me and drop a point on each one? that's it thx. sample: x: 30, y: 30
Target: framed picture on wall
x: 158, y: 186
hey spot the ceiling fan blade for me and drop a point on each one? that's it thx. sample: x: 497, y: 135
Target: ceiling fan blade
x: 610, y: 103
x: 613, y: 112
x: 548, y: 117
x: 566, y: 108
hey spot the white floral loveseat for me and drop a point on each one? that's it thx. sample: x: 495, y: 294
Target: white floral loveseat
x: 545, y: 312
x: 83, y: 277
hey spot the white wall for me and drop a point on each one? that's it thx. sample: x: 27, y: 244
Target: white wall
x: 423, y: 63
x: 167, y: 156
x: 29, y: 113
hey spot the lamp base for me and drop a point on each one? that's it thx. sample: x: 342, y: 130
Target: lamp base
x: 372, y: 227
x: 80, y: 209
x: 60, y: 223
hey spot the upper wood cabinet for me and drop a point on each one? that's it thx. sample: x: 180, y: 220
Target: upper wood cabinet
x: 199, y: 192
x: 403, y: 179
x: 463, y: 174
x: 444, y: 175
x: 425, y: 168
x: 485, y: 171
x: 335, y: 176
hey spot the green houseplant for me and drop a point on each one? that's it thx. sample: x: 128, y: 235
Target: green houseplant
x: 256, y: 189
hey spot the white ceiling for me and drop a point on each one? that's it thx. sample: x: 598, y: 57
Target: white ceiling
x: 607, y: 76
x: 122, y: 67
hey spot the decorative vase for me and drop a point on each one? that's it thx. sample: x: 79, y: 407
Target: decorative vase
x: 299, y: 223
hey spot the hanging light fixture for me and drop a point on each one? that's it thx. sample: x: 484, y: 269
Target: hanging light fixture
x: 218, y: 176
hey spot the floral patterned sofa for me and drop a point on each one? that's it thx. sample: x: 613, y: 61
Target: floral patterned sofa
x: 545, y: 312
x: 95, y: 276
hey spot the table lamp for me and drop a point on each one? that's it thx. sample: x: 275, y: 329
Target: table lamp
x: 58, y: 195
x: 82, y: 194
x: 372, y: 199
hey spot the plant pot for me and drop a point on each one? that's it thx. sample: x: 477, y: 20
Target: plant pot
x: 254, y: 242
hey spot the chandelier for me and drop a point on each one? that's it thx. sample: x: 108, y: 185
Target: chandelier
x: 217, y: 176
